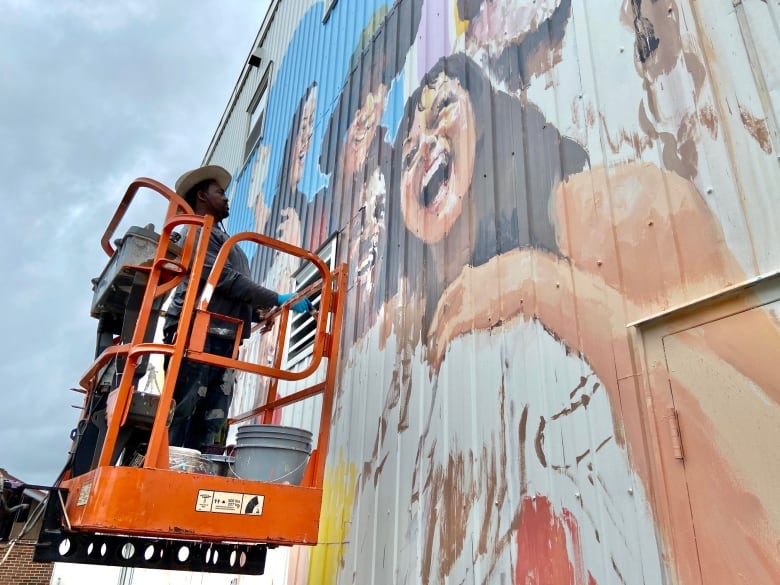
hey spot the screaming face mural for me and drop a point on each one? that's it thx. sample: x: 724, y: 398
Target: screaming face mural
x: 438, y: 158
x: 503, y: 227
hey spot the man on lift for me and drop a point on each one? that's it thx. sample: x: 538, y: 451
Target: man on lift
x: 203, y: 393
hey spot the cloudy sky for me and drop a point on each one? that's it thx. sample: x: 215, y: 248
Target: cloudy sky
x: 92, y: 94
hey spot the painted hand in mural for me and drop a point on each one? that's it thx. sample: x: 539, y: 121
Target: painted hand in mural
x: 498, y: 24
x: 531, y: 284
x: 515, y: 40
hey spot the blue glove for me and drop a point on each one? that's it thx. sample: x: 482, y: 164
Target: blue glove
x: 302, y: 306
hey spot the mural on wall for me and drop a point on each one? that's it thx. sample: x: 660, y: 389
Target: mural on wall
x: 498, y: 244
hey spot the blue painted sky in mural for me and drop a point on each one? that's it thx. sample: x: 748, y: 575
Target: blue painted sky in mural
x: 297, y: 70
x: 394, y: 109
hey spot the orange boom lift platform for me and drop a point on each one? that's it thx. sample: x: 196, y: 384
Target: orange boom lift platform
x: 108, y: 509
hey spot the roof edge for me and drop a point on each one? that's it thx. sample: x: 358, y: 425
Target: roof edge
x: 258, y: 42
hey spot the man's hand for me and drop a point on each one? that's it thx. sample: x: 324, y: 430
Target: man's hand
x: 302, y: 306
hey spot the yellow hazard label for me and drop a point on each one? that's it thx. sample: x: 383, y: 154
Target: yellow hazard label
x: 229, y: 503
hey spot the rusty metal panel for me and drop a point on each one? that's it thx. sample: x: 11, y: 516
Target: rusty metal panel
x: 513, y: 183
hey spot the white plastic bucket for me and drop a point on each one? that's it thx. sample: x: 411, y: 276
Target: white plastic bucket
x: 272, y: 453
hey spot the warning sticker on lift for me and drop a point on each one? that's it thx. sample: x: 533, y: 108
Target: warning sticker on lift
x: 84, y: 494
x: 229, y: 503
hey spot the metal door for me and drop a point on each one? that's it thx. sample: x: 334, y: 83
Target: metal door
x: 724, y: 376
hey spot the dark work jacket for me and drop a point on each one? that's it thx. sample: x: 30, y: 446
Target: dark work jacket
x: 236, y: 294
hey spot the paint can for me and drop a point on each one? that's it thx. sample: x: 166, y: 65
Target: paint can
x: 272, y: 453
x: 189, y: 461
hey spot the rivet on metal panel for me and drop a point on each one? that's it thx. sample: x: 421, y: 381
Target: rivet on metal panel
x: 578, y: 496
x: 709, y: 190
x: 630, y: 491
x: 599, y: 263
x: 650, y: 223
x: 622, y: 49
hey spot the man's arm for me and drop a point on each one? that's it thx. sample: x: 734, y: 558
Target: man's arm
x: 234, y: 284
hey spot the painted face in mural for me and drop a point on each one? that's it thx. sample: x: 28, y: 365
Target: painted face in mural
x: 368, y: 232
x: 437, y: 159
x: 501, y: 23
x: 261, y: 213
x: 289, y: 229
x: 256, y: 196
x: 303, y: 140
x: 363, y: 128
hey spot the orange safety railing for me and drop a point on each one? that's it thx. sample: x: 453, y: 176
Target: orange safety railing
x: 163, y: 275
x: 107, y: 512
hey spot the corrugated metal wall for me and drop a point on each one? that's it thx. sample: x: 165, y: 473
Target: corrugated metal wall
x: 514, y: 184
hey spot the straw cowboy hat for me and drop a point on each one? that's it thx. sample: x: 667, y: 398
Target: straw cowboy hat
x: 191, y: 178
